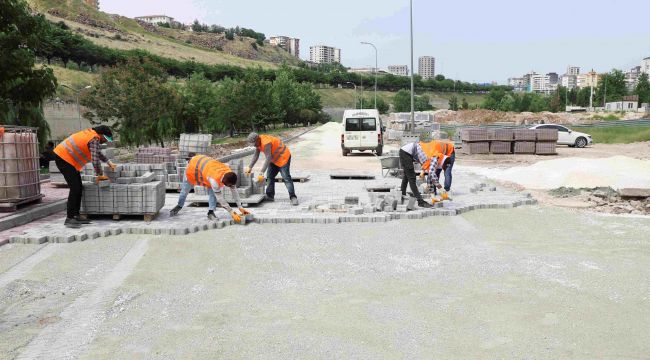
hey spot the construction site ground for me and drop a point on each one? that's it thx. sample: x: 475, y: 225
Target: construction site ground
x: 514, y: 280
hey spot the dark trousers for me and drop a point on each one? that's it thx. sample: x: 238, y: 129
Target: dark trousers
x: 285, y: 171
x: 73, y: 178
x: 409, y: 174
x: 448, y: 177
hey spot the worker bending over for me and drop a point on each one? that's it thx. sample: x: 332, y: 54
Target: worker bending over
x: 71, y: 155
x: 214, y: 176
x: 408, y: 155
x: 278, y: 159
x: 446, y: 157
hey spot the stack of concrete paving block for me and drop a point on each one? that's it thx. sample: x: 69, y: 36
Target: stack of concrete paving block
x: 154, y: 155
x: 546, y: 141
x: 134, y: 189
x: 475, y: 141
x: 194, y: 143
x: 501, y: 141
x: 524, y: 141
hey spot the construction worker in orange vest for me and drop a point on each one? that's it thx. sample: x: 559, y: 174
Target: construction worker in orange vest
x: 445, y: 157
x: 278, y: 159
x: 71, y: 155
x: 214, y: 176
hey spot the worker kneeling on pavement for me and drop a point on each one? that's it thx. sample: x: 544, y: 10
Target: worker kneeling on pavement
x: 445, y: 154
x: 408, y: 155
x: 214, y: 176
x: 71, y: 155
x: 278, y: 159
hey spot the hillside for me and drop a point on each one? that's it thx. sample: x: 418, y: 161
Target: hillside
x: 342, y: 98
x: 120, y: 32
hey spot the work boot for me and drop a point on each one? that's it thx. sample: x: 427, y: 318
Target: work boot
x: 175, y: 210
x: 268, y: 198
x: 294, y: 201
x: 82, y: 221
x: 211, y: 215
x: 424, y: 204
x: 72, y: 223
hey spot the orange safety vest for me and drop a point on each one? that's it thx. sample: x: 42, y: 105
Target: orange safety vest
x: 202, y: 167
x: 436, y: 148
x: 74, y: 150
x: 280, y: 153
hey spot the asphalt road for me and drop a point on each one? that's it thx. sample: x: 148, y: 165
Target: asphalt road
x: 533, y: 282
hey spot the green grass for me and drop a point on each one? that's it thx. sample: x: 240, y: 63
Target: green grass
x: 344, y: 98
x: 617, y: 134
x: 610, y: 117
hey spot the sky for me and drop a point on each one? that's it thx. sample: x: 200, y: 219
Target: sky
x: 472, y: 40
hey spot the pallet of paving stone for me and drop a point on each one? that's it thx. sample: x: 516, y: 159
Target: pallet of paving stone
x: 15, y: 205
x: 121, y: 216
x: 546, y: 148
x: 471, y: 148
x: 501, y: 134
x: 546, y: 134
x: 344, y: 175
x: 525, y: 135
x: 474, y: 135
x: 501, y: 147
x: 301, y: 179
x: 524, y: 147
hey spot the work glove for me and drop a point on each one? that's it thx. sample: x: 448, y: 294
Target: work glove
x: 101, y: 178
x: 111, y: 165
x: 235, y: 216
x: 434, y: 201
x: 444, y: 196
x: 244, y: 211
x: 260, y: 178
x: 247, y: 170
x: 422, y: 175
x: 175, y: 210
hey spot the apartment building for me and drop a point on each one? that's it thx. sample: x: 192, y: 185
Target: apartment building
x: 518, y: 84
x: 322, y: 54
x: 569, y: 81
x: 427, y: 67
x: 289, y: 44
x: 399, y: 70
x: 573, y: 70
x: 589, y: 79
x: 156, y: 19
x: 645, y: 66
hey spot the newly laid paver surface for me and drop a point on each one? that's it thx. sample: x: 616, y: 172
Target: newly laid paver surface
x: 526, y: 282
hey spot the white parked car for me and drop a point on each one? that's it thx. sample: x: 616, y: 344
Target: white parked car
x: 566, y: 136
x: 362, y: 130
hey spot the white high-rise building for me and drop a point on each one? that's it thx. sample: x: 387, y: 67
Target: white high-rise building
x: 518, y: 84
x: 322, y: 54
x: 645, y: 66
x: 540, y: 83
x: 399, y: 70
x: 427, y: 67
x: 292, y: 45
x: 573, y: 70
x: 569, y: 81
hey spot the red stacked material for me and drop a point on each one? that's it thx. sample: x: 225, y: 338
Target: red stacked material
x: 524, y: 147
x: 474, y: 134
x: 501, y: 147
x: 546, y: 134
x: 470, y: 148
x: 525, y: 135
x: 546, y: 148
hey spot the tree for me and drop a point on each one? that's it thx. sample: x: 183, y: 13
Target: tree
x: 507, y: 103
x: 199, y: 105
x: 23, y: 86
x: 137, y: 99
x: 611, y: 87
x: 643, y: 89
x: 402, y: 102
x: 465, y: 104
x: 382, y: 105
x: 453, y: 103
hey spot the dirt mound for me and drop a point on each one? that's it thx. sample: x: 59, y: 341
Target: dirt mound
x: 604, y: 199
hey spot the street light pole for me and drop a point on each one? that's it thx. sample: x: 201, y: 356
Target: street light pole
x: 374, y: 70
x: 412, y: 70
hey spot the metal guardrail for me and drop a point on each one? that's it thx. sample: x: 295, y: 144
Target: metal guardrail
x: 639, y: 122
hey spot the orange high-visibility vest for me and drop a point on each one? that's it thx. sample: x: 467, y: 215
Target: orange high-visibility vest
x: 74, y: 150
x: 436, y: 148
x: 280, y: 153
x: 202, y: 167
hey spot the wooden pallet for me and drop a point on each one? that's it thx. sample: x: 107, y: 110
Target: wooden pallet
x: 14, y: 205
x: 118, y: 217
x: 300, y: 179
x: 351, y: 176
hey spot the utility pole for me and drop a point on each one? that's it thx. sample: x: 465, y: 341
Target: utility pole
x: 412, y: 70
x: 375, y: 69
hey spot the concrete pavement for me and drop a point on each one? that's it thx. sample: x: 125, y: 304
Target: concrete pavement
x: 531, y: 282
